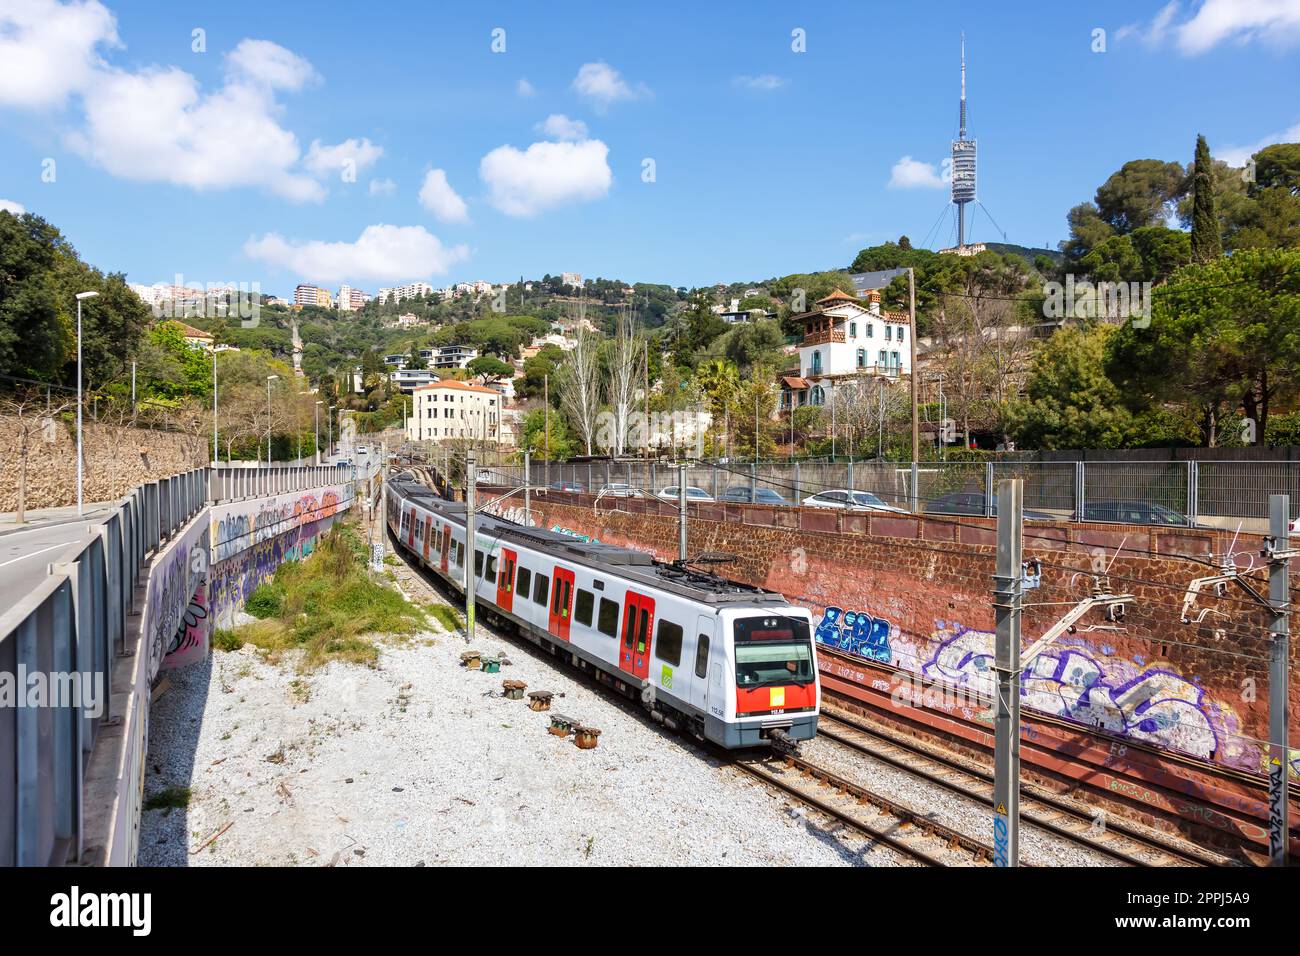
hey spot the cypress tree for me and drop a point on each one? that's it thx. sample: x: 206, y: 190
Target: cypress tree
x: 1207, y: 244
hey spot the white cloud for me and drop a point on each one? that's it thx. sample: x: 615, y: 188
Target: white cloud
x: 764, y: 82
x: 156, y: 126
x: 1238, y: 155
x: 525, y: 89
x: 909, y: 173
x: 382, y: 187
x: 559, y: 126
x: 48, y: 50
x: 1275, y: 22
x: 602, y: 84
x: 351, y: 154
x: 437, y: 196
x: 381, y: 253
x: 8, y: 205
x: 270, y: 65
x: 546, y: 175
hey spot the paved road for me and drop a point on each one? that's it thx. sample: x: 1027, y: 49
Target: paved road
x: 25, y: 554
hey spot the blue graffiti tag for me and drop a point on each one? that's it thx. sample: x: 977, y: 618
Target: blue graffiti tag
x: 855, y: 632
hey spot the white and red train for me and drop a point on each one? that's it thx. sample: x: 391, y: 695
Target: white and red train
x: 728, y: 662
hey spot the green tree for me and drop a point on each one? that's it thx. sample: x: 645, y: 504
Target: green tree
x: 1207, y: 244
x: 535, y: 432
x: 489, y: 368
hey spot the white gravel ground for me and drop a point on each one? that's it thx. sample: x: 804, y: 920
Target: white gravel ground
x: 419, y: 761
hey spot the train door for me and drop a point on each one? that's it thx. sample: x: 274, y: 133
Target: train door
x: 638, y: 624
x: 561, y: 603
x: 506, y: 579
x: 428, y: 536
x: 703, y: 654
x: 446, y: 546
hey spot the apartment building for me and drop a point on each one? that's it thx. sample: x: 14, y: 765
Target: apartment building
x: 305, y: 294
x: 351, y: 299
x: 449, y: 409
x: 410, y: 291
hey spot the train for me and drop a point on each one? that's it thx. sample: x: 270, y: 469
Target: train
x: 726, y: 662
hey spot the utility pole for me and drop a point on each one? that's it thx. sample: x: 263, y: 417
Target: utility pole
x: 646, y: 396
x: 215, y: 447
x: 1278, y: 552
x: 911, y: 334
x: 528, y: 491
x: 681, y: 515
x: 214, y: 384
x: 546, y: 421
x: 1006, y: 604
x: 471, y: 581
x: 880, y: 434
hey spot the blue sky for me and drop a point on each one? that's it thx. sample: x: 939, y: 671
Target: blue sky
x: 766, y: 161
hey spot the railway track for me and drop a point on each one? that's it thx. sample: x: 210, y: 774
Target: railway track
x: 883, y: 820
x: 1115, y: 838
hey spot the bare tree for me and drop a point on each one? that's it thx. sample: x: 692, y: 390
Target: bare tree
x: 626, y: 371
x: 580, y: 381
x: 33, y: 411
x: 866, y: 408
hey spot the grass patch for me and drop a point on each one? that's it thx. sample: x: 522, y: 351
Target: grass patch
x: 266, y: 601
x: 328, y: 605
x: 446, y: 616
x: 169, y: 798
x: 224, y: 639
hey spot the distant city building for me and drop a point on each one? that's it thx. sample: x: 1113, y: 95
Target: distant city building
x: 450, y: 410
x: 351, y: 299
x: 410, y: 291
x: 407, y: 320
x: 306, y: 294
x: 970, y: 249
x: 449, y: 356
x: 571, y: 278
x: 408, y: 380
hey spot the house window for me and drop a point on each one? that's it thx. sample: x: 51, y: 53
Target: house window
x: 901, y: 330
x: 816, y: 363
x: 897, y: 363
x: 881, y: 359
x: 862, y: 358
x: 853, y: 330
x: 888, y: 331
x: 871, y: 330
x: 818, y: 396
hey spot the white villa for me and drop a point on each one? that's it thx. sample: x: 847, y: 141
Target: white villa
x: 846, y: 338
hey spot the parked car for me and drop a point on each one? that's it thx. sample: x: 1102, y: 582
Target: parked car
x: 692, y: 494
x: 566, y: 486
x: 972, y: 503
x: 620, y: 490
x: 847, y: 498
x: 741, y: 494
x: 1134, y: 512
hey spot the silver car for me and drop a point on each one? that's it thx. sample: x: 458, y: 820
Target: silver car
x: 693, y: 493
x: 846, y: 498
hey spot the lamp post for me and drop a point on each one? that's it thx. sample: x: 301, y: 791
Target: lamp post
x: 316, y: 428
x: 329, y: 447
x: 215, y: 447
x: 81, y: 507
x: 269, y: 378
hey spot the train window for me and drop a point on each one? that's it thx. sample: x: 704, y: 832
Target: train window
x: 524, y: 582
x: 668, y: 645
x: 491, y: 574
x: 643, y: 632
x: 607, y: 623
x: 478, y: 564
x: 541, y: 586
x: 702, y: 656
x: 583, y: 609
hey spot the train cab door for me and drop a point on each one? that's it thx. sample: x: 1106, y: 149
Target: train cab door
x: 704, y: 651
x: 561, y: 612
x: 428, y: 536
x: 446, y: 546
x: 638, y: 625
x: 506, y: 579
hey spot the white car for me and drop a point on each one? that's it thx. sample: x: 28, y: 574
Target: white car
x: 620, y: 490
x: 693, y: 493
x: 844, y: 498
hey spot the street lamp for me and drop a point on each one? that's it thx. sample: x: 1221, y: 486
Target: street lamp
x: 316, y: 428
x: 329, y: 447
x: 268, y: 417
x: 81, y: 507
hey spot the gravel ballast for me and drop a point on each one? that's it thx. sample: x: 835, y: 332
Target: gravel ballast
x: 422, y: 762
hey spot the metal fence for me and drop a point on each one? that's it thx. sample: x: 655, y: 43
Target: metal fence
x: 233, y: 484
x: 74, y: 623
x: 1219, y: 494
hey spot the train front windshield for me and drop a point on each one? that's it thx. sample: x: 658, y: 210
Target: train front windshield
x: 773, y: 650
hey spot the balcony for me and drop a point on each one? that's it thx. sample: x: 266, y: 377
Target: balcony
x: 825, y: 337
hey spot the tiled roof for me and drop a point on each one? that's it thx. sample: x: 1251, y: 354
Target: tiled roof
x: 461, y: 386
x: 793, y: 381
x: 190, y: 331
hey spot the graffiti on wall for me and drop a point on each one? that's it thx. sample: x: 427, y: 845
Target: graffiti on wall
x: 173, y: 582
x: 190, y: 642
x: 855, y: 632
x: 245, y: 524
